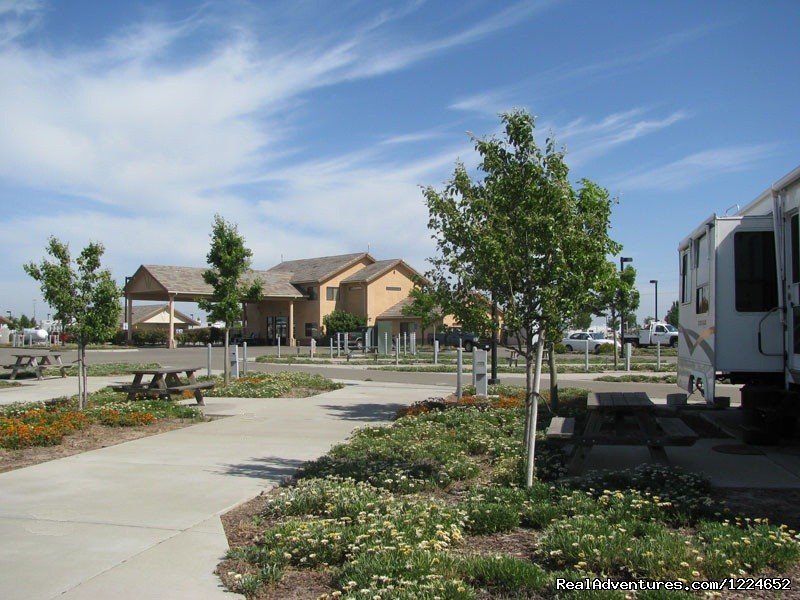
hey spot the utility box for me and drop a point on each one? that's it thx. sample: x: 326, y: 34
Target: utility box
x: 479, y: 374
x: 234, y: 359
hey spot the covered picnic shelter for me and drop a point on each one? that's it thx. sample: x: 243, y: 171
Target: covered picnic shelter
x: 173, y: 284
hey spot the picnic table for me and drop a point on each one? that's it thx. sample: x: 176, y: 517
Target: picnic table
x: 622, y: 418
x: 36, y: 363
x: 164, y: 383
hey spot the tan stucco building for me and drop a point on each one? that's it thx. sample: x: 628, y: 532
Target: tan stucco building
x: 298, y: 294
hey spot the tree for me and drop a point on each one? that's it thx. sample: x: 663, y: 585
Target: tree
x: 616, y: 296
x: 582, y: 321
x: 672, y: 314
x: 424, y: 306
x: 341, y: 321
x: 83, y: 296
x: 525, y: 237
x: 229, y: 260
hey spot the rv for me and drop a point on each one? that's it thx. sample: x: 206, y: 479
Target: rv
x: 739, y: 296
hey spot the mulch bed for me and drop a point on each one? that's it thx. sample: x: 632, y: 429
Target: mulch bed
x: 91, y: 438
x: 240, y: 530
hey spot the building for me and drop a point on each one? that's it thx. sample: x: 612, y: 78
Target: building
x: 156, y: 317
x: 297, y: 295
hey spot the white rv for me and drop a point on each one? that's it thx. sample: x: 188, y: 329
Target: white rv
x: 740, y: 296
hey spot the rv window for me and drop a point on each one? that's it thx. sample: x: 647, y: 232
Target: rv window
x: 756, y: 275
x: 795, y: 258
x: 701, y: 260
x: 685, y: 297
x: 701, y: 300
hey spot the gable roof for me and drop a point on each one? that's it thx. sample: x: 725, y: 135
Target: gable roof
x: 144, y: 312
x: 378, y: 268
x: 396, y: 311
x: 189, y: 281
x: 4, y: 321
x: 318, y: 270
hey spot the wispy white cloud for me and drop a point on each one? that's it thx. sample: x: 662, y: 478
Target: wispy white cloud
x: 592, y: 139
x: 694, y: 168
x: 413, y: 137
x: 488, y: 103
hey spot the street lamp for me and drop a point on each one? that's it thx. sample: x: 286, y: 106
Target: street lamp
x: 622, y: 261
x: 655, y: 283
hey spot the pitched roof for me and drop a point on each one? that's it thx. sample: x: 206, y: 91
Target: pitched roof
x: 372, y: 271
x: 189, y: 280
x: 143, y: 312
x: 317, y: 270
x: 396, y: 311
x: 4, y: 321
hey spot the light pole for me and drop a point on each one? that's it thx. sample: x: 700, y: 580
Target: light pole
x: 622, y: 261
x: 655, y: 283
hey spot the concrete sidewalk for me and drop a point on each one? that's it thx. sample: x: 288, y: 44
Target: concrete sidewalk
x: 33, y: 390
x: 141, y: 519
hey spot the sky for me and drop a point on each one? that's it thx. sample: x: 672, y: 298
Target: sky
x: 313, y: 125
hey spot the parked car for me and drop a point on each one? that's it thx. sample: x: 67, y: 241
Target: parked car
x: 654, y: 333
x: 355, y: 339
x: 452, y: 336
x: 579, y: 340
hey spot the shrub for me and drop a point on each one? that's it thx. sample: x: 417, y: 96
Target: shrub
x: 504, y: 574
x: 490, y: 517
x: 270, y: 385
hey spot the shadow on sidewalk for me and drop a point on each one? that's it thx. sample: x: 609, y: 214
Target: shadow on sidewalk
x: 368, y: 413
x: 271, y: 468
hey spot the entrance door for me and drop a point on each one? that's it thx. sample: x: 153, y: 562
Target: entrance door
x: 277, y: 328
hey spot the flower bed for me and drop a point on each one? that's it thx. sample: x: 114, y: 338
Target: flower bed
x: 272, y: 385
x: 46, y: 424
x: 406, y: 511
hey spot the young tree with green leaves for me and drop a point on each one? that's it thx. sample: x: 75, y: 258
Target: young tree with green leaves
x: 424, y: 306
x: 229, y: 260
x: 524, y: 236
x: 672, y: 314
x: 83, y: 296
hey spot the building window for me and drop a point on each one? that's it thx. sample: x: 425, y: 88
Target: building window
x: 393, y: 288
x: 311, y: 294
x: 756, y: 273
x: 311, y: 330
x: 685, y: 294
x: 332, y: 293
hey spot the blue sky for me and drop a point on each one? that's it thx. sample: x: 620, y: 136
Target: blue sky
x: 312, y: 124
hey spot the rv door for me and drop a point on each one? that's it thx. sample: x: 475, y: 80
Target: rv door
x: 793, y: 296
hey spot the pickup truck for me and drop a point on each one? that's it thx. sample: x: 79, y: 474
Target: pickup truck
x: 451, y: 337
x: 652, y: 334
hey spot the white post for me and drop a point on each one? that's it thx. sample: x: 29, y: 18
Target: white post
x: 397, y: 351
x: 386, y: 343
x: 208, y: 353
x: 628, y: 356
x: 586, y: 356
x: 331, y: 347
x: 405, y: 343
x: 244, y: 358
x: 346, y: 342
x: 459, y: 367
x: 436, y: 352
x: 474, y: 365
x: 234, y: 361
x: 338, y: 344
x: 279, y: 346
x: 658, y: 355
x: 313, y: 347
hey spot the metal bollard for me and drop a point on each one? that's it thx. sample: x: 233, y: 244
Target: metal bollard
x: 397, y: 351
x: 658, y: 355
x: 244, y: 358
x: 628, y: 356
x: 586, y: 356
x: 279, y: 346
x: 208, y: 352
x: 459, y: 368
x: 436, y: 352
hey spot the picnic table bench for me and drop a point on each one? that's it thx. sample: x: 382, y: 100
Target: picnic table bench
x: 36, y: 363
x: 164, y: 383
x: 621, y: 418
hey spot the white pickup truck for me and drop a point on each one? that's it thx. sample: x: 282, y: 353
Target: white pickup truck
x: 654, y: 333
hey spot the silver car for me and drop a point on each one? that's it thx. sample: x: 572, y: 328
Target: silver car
x: 578, y: 341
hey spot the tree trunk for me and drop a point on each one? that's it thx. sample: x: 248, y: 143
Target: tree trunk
x: 553, y: 378
x: 533, y: 401
x: 226, y: 366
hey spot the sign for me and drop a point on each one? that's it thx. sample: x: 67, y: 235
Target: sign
x: 234, y: 358
x: 125, y: 326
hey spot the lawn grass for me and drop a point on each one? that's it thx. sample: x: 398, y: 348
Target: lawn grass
x: 403, y: 511
x: 271, y: 385
x: 24, y: 425
x: 639, y: 378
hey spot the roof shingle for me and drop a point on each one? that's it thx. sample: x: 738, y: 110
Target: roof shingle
x: 189, y: 280
x: 317, y: 270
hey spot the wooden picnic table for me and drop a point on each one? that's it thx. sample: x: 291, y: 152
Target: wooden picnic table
x: 164, y: 383
x: 622, y: 418
x: 36, y: 363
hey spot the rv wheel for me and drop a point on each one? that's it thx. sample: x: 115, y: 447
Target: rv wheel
x: 673, y: 342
